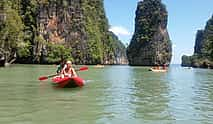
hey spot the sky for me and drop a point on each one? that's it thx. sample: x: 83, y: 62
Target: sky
x: 185, y: 18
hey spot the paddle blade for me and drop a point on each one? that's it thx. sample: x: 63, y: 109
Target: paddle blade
x: 83, y: 68
x: 42, y: 78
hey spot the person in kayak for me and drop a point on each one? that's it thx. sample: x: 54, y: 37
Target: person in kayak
x: 60, y: 66
x: 164, y: 67
x: 68, y: 71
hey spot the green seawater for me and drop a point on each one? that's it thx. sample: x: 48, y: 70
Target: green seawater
x: 112, y: 95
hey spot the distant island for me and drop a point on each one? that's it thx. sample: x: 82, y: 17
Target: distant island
x: 150, y: 44
x: 48, y: 31
x: 203, y: 49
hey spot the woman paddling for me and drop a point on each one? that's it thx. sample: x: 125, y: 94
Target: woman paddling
x: 68, y: 71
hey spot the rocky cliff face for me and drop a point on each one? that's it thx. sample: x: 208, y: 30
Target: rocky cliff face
x: 80, y: 25
x: 199, y: 42
x: 150, y: 44
x: 203, y: 49
x: 63, y: 29
x: 120, y: 51
x: 62, y: 22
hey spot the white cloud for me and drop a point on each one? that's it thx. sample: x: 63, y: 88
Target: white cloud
x: 119, y: 30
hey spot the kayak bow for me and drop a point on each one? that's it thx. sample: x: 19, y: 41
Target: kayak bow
x: 68, y: 82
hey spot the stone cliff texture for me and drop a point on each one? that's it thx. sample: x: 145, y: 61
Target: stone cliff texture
x: 80, y: 25
x: 62, y: 22
x: 120, y: 51
x: 150, y: 44
x: 199, y: 42
x: 203, y: 49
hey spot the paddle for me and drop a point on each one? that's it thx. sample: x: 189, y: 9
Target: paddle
x: 82, y: 68
x: 49, y: 76
x: 46, y: 77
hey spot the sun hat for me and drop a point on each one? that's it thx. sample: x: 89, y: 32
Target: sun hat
x: 69, y: 62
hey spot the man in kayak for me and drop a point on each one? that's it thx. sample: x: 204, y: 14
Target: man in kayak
x: 68, y: 71
x: 60, y: 66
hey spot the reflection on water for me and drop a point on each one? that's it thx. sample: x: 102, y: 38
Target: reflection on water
x: 204, y: 95
x: 182, y: 82
x: 151, y: 92
x: 189, y: 92
x: 118, y: 94
x: 115, y: 94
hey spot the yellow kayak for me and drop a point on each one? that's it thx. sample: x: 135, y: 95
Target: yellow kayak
x: 158, y: 70
x: 99, y: 66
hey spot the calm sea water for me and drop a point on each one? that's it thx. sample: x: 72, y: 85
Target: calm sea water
x: 113, y: 95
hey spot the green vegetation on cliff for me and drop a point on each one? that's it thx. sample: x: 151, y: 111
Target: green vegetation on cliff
x: 46, y: 31
x: 203, y: 50
x: 150, y: 13
x: 11, y: 32
x: 28, y: 12
x: 208, y: 39
x: 57, y: 53
x: 96, y: 26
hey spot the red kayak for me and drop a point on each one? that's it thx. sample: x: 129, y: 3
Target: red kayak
x: 68, y: 82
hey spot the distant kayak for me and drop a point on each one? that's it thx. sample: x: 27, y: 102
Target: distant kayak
x: 187, y: 67
x: 99, y: 66
x: 67, y: 82
x: 157, y: 70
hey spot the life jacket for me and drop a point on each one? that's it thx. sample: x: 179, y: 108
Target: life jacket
x: 68, y: 71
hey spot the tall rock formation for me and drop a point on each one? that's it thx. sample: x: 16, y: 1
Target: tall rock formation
x: 150, y: 44
x: 203, y: 49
